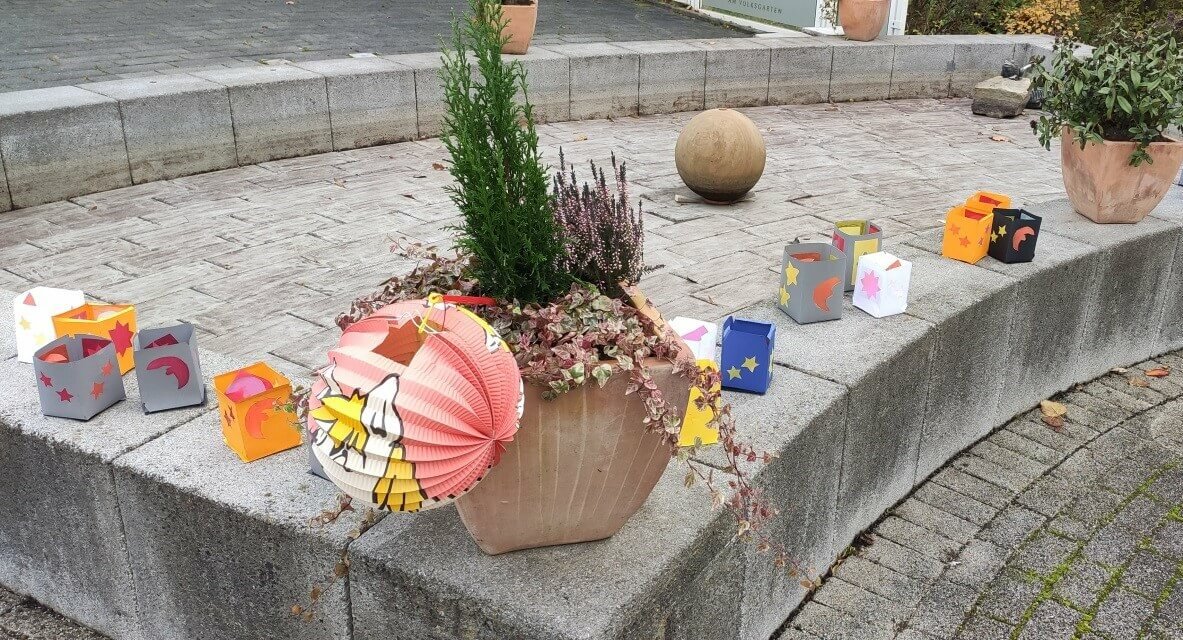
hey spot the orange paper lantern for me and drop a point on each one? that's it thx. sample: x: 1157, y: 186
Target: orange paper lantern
x: 416, y: 405
x: 967, y: 234
x: 987, y: 202
x: 116, y: 321
x: 257, y: 419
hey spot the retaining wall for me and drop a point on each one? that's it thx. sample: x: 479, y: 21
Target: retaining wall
x: 149, y: 527
x: 64, y: 142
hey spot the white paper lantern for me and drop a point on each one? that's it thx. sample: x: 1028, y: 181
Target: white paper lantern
x: 33, y: 313
x: 881, y: 284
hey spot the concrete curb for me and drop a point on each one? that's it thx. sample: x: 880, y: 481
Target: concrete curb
x: 70, y: 141
x: 151, y: 528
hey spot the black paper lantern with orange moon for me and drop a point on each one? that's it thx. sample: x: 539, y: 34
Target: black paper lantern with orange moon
x: 415, y: 406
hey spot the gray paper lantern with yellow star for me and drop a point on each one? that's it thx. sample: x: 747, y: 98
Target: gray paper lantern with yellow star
x: 811, y: 282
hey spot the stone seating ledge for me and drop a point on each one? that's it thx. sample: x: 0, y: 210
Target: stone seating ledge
x: 149, y: 527
x: 64, y: 142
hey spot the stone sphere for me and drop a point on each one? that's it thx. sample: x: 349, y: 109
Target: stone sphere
x: 720, y: 155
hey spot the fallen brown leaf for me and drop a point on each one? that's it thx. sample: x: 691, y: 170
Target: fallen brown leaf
x: 1000, y: 138
x: 581, y: 137
x: 1052, y: 409
x: 1158, y: 372
x: 1055, y: 422
x: 297, y: 609
x: 1139, y: 381
x: 437, y: 166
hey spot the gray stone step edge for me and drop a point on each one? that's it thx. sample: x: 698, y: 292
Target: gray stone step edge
x: 149, y: 527
x: 63, y: 142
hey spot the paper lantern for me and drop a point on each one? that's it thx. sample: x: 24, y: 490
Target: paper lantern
x: 115, y: 321
x: 882, y: 285
x: 167, y: 368
x: 811, y: 282
x: 856, y: 238
x: 416, y: 405
x: 700, y: 337
x: 257, y: 417
x: 720, y: 155
x: 987, y: 202
x: 77, y: 376
x: 746, y: 361
x: 967, y: 234
x: 1014, y: 235
x: 32, y: 314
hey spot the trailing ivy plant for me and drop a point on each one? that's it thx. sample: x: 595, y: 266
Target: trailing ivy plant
x: 501, y: 185
x: 1129, y: 89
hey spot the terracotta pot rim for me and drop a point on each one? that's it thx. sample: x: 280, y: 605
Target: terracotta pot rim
x: 1169, y: 142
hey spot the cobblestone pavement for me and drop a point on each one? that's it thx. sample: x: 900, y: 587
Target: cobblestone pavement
x: 56, y: 42
x: 23, y: 619
x: 1032, y: 532
x: 262, y: 258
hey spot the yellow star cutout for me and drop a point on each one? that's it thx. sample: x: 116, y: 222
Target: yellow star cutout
x: 784, y: 296
x: 1001, y: 231
x: 993, y: 237
x: 40, y: 338
x: 750, y: 364
x: 733, y: 372
x: 25, y: 323
x: 791, y: 273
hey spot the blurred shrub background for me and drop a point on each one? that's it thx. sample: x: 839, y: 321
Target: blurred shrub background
x: 1082, y: 19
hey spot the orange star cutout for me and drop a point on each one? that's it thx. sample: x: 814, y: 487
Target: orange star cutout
x: 96, y: 390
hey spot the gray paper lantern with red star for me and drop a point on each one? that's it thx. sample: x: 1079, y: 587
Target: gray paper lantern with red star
x: 77, y: 376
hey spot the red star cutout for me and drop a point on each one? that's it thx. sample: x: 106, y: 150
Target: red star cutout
x: 121, y: 336
x: 96, y: 390
x: 64, y: 395
x: 954, y: 229
x: 964, y: 241
x: 46, y: 380
x: 108, y: 368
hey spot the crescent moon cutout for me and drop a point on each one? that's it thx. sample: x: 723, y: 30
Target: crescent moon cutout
x: 1020, y: 235
x: 256, y: 416
x: 173, y: 366
x: 823, y: 291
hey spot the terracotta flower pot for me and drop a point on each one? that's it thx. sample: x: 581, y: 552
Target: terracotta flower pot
x: 1102, y: 185
x: 520, y: 28
x: 578, y: 468
x: 863, y: 20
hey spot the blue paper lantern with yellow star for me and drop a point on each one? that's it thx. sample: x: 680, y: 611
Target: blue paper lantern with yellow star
x: 746, y: 359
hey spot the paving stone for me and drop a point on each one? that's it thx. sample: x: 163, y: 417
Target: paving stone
x: 1148, y: 574
x: 1049, y: 495
x: 960, y: 505
x: 861, y: 604
x: 1012, y: 441
x: 1050, y: 620
x: 1168, y: 540
x: 1069, y: 526
x: 1044, y: 554
x: 917, y: 538
x: 902, y: 559
x: 1112, y: 545
x: 881, y: 580
x: 1121, y: 615
x: 943, y: 609
x: 1082, y: 583
x: 937, y: 521
x: 825, y: 622
x: 974, y: 487
x: 977, y: 564
x: 983, y: 628
x: 1141, y: 515
x: 1012, y: 526
x: 1008, y: 597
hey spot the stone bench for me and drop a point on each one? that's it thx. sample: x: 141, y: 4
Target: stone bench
x: 150, y: 527
x: 64, y: 142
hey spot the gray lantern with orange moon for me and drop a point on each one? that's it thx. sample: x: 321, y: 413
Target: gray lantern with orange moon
x: 811, y: 278
x: 720, y: 155
x: 167, y: 368
x: 77, y: 376
x: 1013, y: 235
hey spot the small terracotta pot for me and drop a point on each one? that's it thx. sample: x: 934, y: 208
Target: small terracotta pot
x: 578, y: 468
x: 1104, y: 188
x: 521, y: 21
x: 863, y: 20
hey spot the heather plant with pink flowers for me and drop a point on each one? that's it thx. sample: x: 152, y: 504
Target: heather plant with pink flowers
x: 603, y: 232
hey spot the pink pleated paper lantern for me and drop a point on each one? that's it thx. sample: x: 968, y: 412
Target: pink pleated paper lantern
x: 415, y: 406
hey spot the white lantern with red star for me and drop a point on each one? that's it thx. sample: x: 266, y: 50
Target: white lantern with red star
x: 881, y: 284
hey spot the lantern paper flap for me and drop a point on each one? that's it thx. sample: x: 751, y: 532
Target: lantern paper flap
x: 77, y: 376
x: 700, y: 336
x: 114, y: 321
x: 855, y: 239
x: 1013, y: 235
x: 415, y: 407
x: 812, y: 282
x: 256, y: 416
x: 33, y: 312
x: 167, y: 368
x: 882, y: 286
x: 746, y: 361
x: 987, y: 202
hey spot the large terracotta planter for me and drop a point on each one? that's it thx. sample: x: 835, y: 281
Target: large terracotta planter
x: 520, y: 28
x: 578, y: 468
x: 863, y: 20
x: 1102, y: 185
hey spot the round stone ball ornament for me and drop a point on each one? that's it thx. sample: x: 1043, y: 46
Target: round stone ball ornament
x: 720, y: 155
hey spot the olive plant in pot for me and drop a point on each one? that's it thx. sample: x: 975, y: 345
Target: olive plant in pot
x: 1114, y: 110
x: 555, y: 273
x: 861, y: 20
x: 521, y: 17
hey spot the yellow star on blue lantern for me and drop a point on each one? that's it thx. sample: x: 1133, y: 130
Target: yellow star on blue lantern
x: 750, y: 364
x: 733, y: 372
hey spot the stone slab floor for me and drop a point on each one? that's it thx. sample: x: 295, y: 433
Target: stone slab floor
x: 57, y: 42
